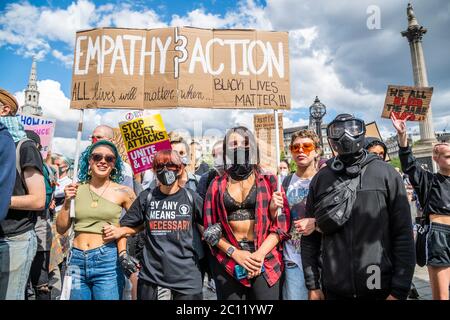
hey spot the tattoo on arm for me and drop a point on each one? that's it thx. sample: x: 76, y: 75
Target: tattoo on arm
x: 129, y: 193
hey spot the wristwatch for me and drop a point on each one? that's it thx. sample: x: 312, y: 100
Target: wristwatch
x: 230, y: 251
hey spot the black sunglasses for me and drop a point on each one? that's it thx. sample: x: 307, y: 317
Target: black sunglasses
x: 170, y: 166
x: 99, y: 157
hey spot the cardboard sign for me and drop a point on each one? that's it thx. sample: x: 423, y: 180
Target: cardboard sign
x: 264, y: 125
x: 118, y: 142
x: 411, y: 103
x: 143, y: 138
x: 45, y: 128
x: 180, y: 67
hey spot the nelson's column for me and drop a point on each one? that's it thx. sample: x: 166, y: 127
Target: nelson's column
x: 423, y: 149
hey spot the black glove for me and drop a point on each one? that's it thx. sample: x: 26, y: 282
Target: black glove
x: 212, y: 234
x: 129, y: 264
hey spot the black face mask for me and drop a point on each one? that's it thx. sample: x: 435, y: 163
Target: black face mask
x: 350, y: 164
x: 241, y: 168
x: 348, y: 145
x: 166, y: 177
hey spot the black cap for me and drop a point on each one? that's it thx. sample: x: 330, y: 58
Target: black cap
x: 33, y: 136
x: 370, y: 142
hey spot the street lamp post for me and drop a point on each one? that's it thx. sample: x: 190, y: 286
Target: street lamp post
x: 317, y: 111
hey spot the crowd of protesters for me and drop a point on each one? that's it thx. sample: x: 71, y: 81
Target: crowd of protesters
x: 339, y: 228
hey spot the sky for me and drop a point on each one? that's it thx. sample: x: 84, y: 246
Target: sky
x: 345, y: 52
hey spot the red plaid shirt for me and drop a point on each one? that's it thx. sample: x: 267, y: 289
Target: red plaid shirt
x: 215, y: 212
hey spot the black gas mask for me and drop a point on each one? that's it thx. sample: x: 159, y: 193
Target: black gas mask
x: 346, y: 134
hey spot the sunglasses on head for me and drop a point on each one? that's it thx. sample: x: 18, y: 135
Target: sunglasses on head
x: 169, y: 166
x: 306, y: 147
x: 99, y: 157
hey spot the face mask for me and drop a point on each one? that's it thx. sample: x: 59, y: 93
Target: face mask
x: 61, y: 170
x: 241, y: 168
x: 346, y: 134
x: 284, y: 172
x: 218, y: 162
x: 198, y: 156
x: 347, y: 145
x: 166, y: 177
x: 185, y: 160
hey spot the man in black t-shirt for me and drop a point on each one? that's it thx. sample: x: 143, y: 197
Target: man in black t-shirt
x: 17, y: 237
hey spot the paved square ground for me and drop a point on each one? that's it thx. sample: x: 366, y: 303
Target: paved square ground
x: 420, y: 280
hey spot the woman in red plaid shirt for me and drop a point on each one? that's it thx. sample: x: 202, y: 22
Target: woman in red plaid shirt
x: 242, y: 224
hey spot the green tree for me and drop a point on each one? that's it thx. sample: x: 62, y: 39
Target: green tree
x: 292, y: 166
x: 395, y: 162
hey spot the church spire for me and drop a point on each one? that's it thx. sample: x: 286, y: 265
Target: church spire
x: 32, y: 81
x: 31, y: 106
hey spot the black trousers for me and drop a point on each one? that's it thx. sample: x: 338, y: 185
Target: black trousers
x: 375, y: 295
x: 228, y: 288
x: 149, y: 291
x: 39, y: 275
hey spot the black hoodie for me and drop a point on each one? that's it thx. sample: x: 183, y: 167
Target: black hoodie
x: 378, y: 236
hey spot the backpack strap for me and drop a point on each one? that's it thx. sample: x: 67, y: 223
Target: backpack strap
x: 287, y: 181
x: 148, y: 199
x: 18, y: 166
x: 190, y: 198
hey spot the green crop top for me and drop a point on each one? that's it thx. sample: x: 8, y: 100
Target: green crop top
x: 92, y: 220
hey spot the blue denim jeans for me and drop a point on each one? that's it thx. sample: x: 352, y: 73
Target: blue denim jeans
x: 294, y: 287
x: 96, y: 274
x: 16, y: 255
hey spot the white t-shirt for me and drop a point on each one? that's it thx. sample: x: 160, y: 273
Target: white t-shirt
x: 296, y: 194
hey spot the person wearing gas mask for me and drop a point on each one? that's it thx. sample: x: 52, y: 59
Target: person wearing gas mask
x: 168, y: 215
x: 242, y: 227
x: 364, y: 236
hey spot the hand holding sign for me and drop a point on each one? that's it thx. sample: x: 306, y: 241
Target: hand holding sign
x: 408, y: 103
x: 400, y: 126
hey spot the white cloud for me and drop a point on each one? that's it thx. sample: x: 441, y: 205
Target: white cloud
x: 62, y: 24
x: 247, y: 15
x: 125, y: 17
x: 66, y: 146
x: 66, y: 59
x: 33, y: 30
x: 200, y: 19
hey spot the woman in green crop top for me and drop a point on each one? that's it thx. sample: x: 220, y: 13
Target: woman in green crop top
x: 99, y: 199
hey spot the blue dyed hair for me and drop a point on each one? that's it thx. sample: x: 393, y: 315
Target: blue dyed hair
x: 116, y: 175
